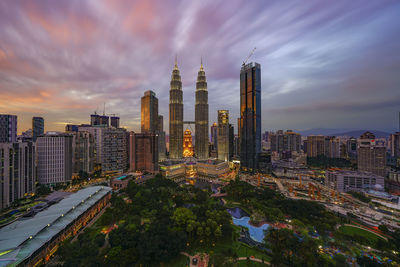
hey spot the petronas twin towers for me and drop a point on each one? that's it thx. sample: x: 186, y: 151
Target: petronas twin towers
x: 176, y: 115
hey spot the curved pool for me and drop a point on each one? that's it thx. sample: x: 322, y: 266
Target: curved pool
x: 256, y: 233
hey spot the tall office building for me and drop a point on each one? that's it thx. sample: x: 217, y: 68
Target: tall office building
x: 17, y: 172
x: 214, y: 134
x: 371, y: 155
x: 315, y: 145
x: 161, y: 139
x: 201, y: 115
x: 250, y: 115
x: 143, y: 152
x: 8, y: 128
x: 97, y: 133
x: 175, y: 115
x: 54, y: 152
x: 83, y: 147
x: 223, y: 135
x: 149, y: 112
x: 231, y: 142
x: 37, y: 127
x: 114, y: 121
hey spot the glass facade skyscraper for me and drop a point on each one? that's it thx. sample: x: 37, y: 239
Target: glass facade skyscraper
x: 250, y: 115
x: 201, y: 115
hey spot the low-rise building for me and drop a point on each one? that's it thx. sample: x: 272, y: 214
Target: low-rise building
x: 32, y: 241
x: 344, y: 181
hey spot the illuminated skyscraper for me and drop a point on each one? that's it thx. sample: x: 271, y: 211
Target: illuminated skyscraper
x: 250, y: 115
x: 371, y: 155
x: 187, y: 144
x: 201, y: 115
x: 175, y: 115
x: 149, y: 112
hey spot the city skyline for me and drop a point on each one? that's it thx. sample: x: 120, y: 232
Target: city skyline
x: 339, y: 59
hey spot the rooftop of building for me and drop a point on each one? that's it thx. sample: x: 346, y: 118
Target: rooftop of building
x: 21, y: 239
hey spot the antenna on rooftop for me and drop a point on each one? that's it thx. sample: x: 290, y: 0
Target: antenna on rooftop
x: 251, y: 53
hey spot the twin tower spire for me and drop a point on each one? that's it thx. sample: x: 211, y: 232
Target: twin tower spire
x: 176, y: 115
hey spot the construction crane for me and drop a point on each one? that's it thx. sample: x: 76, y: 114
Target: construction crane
x: 251, y: 53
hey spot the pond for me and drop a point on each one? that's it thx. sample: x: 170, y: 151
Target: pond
x: 241, y: 218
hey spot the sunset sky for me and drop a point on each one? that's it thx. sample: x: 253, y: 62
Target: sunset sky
x: 325, y: 64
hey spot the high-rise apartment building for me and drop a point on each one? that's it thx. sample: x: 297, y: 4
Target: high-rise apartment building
x: 143, y: 152
x: 37, y: 127
x: 97, y: 133
x: 223, y: 135
x: 332, y: 147
x: 149, y: 112
x: 250, y: 115
x: 371, y: 155
x: 285, y: 141
x: 114, y: 150
x: 17, y: 171
x: 175, y: 115
x: 315, y: 145
x: 8, y: 128
x: 83, y: 147
x: 201, y: 115
x: 54, y: 152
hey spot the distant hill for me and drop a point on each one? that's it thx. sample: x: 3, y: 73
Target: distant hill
x: 342, y: 132
x: 358, y: 133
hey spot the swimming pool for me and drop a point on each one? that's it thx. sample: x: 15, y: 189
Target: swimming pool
x: 256, y: 233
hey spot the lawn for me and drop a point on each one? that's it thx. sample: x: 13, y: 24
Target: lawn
x: 354, y: 231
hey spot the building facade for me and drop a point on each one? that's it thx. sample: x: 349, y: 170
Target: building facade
x: 250, y: 115
x: 214, y: 135
x: 37, y: 127
x: 99, y: 120
x: 395, y: 145
x: 187, y: 144
x: 371, y: 155
x: 162, y: 153
x: 8, y: 128
x: 344, y: 181
x: 201, y: 115
x: 114, y: 150
x: 332, y: 147
x: 17, y: 171
x: 114, y: 121
x: 83, y: 147
x: 149, y: 112
x: 351, y: 148
x: 223, y: 135
x: 54, y: 161
x: 315, y: 145
x: 284, y: 141
x: 143, y: 152
x: 175, y: 115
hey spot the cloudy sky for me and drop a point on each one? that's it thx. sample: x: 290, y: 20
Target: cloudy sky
x: 325, y: 64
